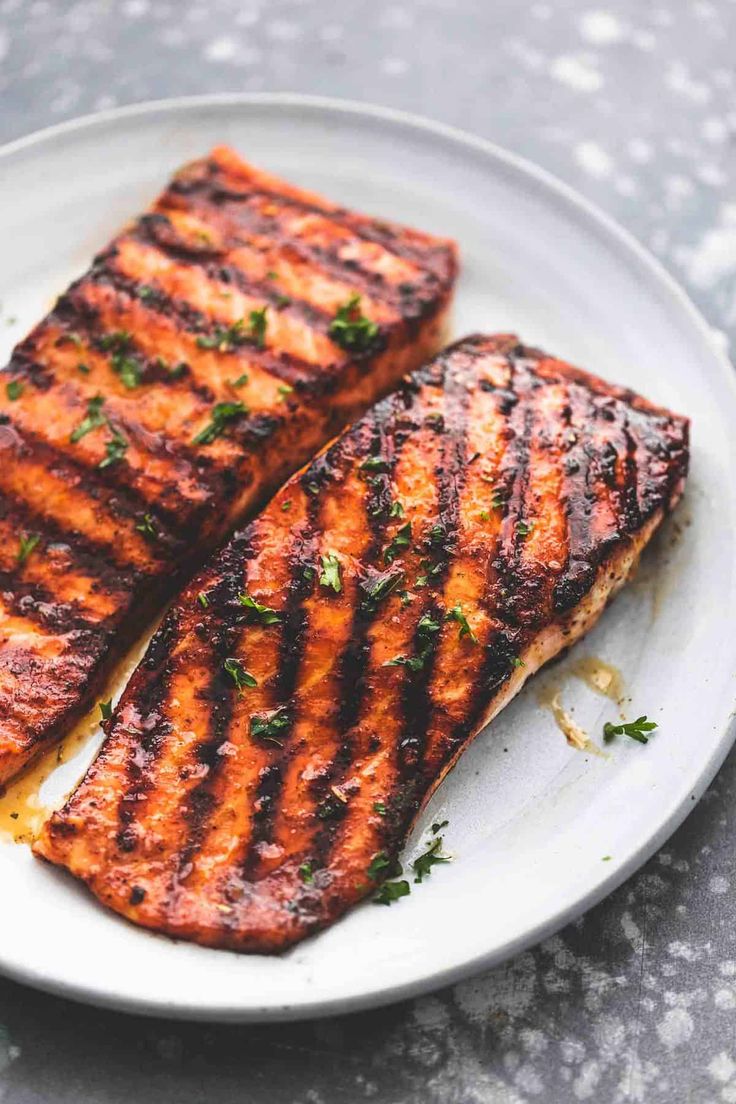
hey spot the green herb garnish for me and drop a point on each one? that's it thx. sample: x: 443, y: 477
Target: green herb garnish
x: 524, y: 528
x: 243, y: 679
x: 456, y: 614
x: 264, y: 614
x: 330, y: 575
x: 350, y: 329
x: 400, y: 541
x: 203, y: 599
x: 637, y: 730
x: 391, y: 891
x: 427, y: 628
x: 239, y: 382
x: 147, y: 527
x: 106, y: 709
x: 94, y: 420
x: 306, y: 873
x: 380, y: 808
x: 375, y: 464
x: 115, y: 448
x: 227, y: 338
x: 397, y: 509
x: 222, y: 414
x: 378, y: 863
x: 423, y: 865
x: 14, y: 390
x: 269, y: 725
x: 286, y: 505
x: 378, y: 588
x: 284, y: 389
x: 26, y: 544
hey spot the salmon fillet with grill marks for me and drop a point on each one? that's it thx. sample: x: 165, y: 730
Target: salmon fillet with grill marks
x: 318, y: 679
x: 210, y: 351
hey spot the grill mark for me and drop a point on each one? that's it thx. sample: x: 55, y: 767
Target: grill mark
x: 88, y: 557
x: 292, y: 643
x: 578, y: 495
x: 38, y: 605
x: 283, y: 366
x: 219, y: 196
x: 416, y: 703
x: 120, y: 501
x: 222, y: 697
x: 154, y: 728
x: 353, y: 661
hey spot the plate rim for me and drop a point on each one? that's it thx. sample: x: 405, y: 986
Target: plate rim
x: 620, y: 871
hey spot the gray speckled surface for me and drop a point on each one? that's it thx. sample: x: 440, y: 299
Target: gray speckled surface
x: 633, y: 104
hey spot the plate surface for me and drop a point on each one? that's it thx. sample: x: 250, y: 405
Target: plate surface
x: 531, y: 819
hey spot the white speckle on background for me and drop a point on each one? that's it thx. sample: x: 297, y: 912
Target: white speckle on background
x: 721, y: 1068
x: 577, y: 71
x: 714, y: 130
x: 396, y: 18
x: 601, y: 28
x: 718, y: 884
x: 394, y: 66
x: 639, y: 151
x: 724, y: 998
x: 282, y: 30
x: 684, y: 951
x: 679, y: 79
x: 134, y: 9
x: 221, y: 49
x: 632, y: 933
x: 675, y: 1028
x: 644, y: 40
x: 593, y: 159
x: 585, y: 1084
x: 711, y: 175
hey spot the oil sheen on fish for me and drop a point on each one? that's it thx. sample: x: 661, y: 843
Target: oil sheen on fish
x: 317, y: 680
x: 209, y: 351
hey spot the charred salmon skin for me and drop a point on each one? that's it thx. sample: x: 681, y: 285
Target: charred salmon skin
x: 210, y: 350
x: 314, y: 684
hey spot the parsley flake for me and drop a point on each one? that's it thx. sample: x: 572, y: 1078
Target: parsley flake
x: 115, y: 448
x: 94, y: 419
x: 350, y: 329
x: 26, y: 544
x: 330, y: 575
x: 243, y: 679
x: 380, y: 862
x: 524, y: 528
x: 14, y: 390
x: 147, y: 527
x: 400, y: 541
x: 306, y: 873
x: 392, y: 891
x: 456, y: 614
x: 106, y: 709
x: 380, y: 808
x: 263, y: 614
x: 268, y: 725
x: 203, y: 599
x: 422, y: 866
x: 222, y: 414
x: 637, y: 730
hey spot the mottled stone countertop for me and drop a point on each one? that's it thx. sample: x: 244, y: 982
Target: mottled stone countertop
x: 633, y: 104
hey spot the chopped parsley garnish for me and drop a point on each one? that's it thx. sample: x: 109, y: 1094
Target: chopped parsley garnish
x: 518, y: 662
x: 284, y: 389
x: 117, y: 341
x: 498, y: 500
x: 145, y: 292
x: 375, y: 464
x: 397, y: 509
x: 637, y: 730
x: 106, y: 710
x: 176, y: 371
x: 272, y: 275
x: 456, y: 614
x: 330, y: 574
x: 227, y: 338
x: 484, y: 515
x: 438, y: 826
x: 258, y: 324
x: 400, y: 541
x: 423, y: 865
x: 269, y: 725
x: 436, y: 535
x: 84, y: 369
x: 203, y: 599
x: 283, y: 301
x: 427, y: 628
x: 524, y: 528
x: 222, y: 414
x: 380, y: 862
x: 26, y: 544
x: 239, y: 382
x: 286, y: 505
x: 378, y: 588
x: 14, y: 390
x: 264, y: 614
x: 306, y: 873
x: 391, y: 891
x: 94, y: 420
x: 243, y: 679
x: 147, y: 527
x: 115, y: 449
x: 380, y: 808
x: 350, y: 329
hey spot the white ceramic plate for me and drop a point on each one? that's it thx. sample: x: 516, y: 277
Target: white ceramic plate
x: 530, y: 818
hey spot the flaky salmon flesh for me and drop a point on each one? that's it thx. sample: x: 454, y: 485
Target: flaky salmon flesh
x: 316, y: 681
x: 210, y: 350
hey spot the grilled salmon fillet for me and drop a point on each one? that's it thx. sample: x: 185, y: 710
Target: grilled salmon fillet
x: 209, y: 351
x: 317, y: 680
